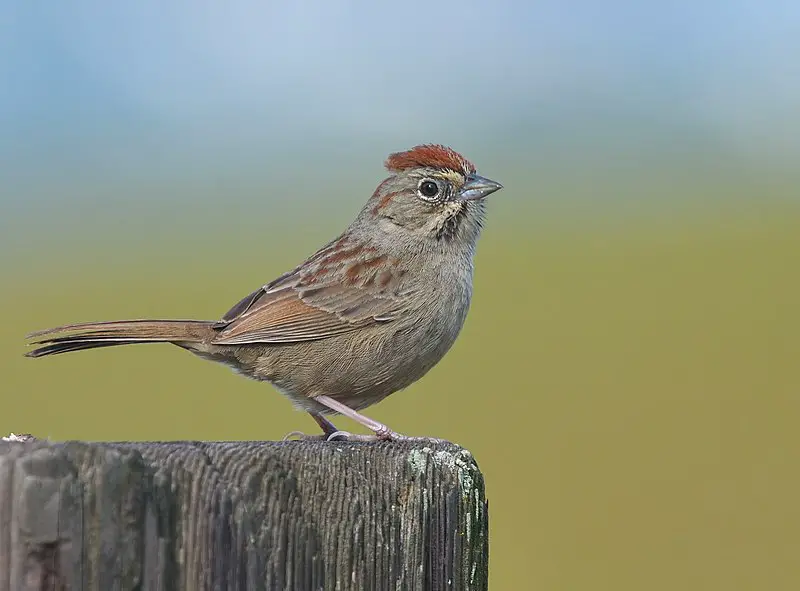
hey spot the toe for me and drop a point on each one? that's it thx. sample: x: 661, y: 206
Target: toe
x: 300, y: 436
x: 339, y: 436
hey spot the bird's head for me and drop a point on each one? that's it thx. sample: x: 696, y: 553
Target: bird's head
x: 433, y: 193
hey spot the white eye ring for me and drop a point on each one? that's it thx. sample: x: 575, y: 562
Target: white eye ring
x: 428, y: 189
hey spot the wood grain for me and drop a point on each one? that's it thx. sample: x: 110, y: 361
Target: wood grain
x: 241, y: 515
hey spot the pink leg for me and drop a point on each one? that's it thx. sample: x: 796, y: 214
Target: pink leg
x: 381, y: 431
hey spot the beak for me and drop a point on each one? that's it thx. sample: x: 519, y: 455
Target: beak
x: 477, y: 187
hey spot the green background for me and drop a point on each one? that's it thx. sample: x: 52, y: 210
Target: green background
x: 627, y: 380
x: 629, y: 375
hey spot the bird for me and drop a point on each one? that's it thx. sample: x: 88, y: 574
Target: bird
x: 366, y: 315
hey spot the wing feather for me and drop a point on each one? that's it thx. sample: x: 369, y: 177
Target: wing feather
x: 329, y: 295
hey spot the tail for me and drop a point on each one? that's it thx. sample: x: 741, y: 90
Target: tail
x: 93, y: 335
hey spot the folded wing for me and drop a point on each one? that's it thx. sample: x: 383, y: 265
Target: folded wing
x: 343, y: 287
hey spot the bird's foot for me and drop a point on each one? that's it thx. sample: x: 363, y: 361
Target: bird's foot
x: 416, y: 439
x: 347, y: 436
x: 300, y: 436
x: 383, y: 435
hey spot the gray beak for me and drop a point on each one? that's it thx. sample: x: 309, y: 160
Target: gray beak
x: 477, y: 187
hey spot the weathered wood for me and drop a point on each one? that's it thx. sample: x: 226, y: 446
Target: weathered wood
x: 241, y: 515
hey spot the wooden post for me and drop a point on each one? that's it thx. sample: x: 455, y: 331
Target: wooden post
x: 241, y: 516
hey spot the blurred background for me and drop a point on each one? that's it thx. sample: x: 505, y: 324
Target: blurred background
x: 628, y: 376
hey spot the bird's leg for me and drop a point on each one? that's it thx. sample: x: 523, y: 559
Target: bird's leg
x: 327, y: 427
x: 382, y: 432
x: 329, y: 430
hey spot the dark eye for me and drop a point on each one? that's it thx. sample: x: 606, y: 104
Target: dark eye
x: 428, y: 189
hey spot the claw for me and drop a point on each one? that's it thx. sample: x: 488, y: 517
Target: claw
x: 342, y: 435
x: 384, y: 433
x: 299, y: 436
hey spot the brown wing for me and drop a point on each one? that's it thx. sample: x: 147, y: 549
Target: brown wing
x: 343, y: 287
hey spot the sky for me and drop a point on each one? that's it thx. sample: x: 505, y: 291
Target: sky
x: 90, y: 87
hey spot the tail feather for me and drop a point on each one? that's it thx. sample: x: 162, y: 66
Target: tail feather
x: 56, y: 348
x: 92, y: 335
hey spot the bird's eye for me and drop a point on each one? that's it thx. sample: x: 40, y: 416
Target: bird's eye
x: 428, y: 189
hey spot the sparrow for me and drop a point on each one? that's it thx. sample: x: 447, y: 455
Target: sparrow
x: 368, y: 314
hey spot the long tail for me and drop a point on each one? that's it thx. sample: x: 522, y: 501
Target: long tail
x: 92, y: 335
